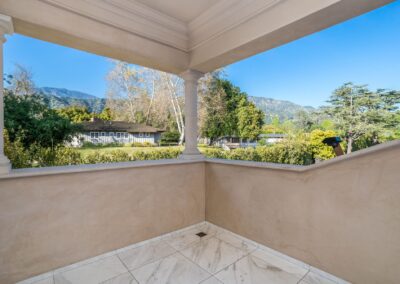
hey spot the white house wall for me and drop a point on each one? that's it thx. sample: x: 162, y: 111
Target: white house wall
x: 131, y: 138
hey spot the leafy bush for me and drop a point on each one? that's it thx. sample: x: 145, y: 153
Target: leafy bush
x: 90, y: 145
x: 169, y: 139
x: 144, y: 144
x: 295, y: 153
x: 319, y: 149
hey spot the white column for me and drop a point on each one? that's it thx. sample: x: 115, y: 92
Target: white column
x: 191, y: 78
x: 6, y: 27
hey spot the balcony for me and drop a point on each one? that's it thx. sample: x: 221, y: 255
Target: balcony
x: 301, y: 219
x: 131, y: 222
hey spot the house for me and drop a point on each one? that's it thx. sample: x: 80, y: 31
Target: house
x: 273, y: 138
x: 233, y: 142
x: 98, y: 131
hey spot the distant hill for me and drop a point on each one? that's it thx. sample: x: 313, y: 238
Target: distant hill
x: 283, y: 109
x: 60, y: 97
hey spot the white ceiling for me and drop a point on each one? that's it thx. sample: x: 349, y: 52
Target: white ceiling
x: 182, y: 10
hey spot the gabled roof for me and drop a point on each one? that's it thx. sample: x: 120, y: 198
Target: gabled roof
x: 116, y: 126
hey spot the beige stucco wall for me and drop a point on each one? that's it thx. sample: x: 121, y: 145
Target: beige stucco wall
x: 343, y: 218
x: 51, y: 221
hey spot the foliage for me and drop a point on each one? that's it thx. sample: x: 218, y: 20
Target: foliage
x: 144, y: 144
x: 169, y: 138
x: 106, y: 114
x: 15, y: 151
x: 296, y: 153
x: 32, y: 122
x: 76, y: 114
x: 90, y: 145
x: 358, y: 112
x: 250, y: 120
x: 321, y: 151
x: 226, y: 111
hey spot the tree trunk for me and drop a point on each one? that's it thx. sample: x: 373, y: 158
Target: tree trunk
x: 349, y: 145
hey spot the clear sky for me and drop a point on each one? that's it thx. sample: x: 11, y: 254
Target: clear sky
x: 363, y: 50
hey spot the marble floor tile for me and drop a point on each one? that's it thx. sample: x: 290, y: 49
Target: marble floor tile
x: 187, y: 238
x: 283, y: 264
x: 45, y: 281
x: 211, y: 280
x: 95, y: 272
x: 139, y: 256
x: 174, y: 269
x: 253, y: 270
x: 125, y: 278
x: 314, y: 278
x: 213, y: 254
x: 237, y: 241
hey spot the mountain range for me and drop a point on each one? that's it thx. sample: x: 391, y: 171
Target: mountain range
x: 60, y: 97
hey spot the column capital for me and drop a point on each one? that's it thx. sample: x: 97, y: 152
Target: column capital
x: 191, y: 75
x: 6, y: 26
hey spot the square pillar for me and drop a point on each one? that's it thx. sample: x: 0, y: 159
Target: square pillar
x: 191, y: 152
x: 6, y: 27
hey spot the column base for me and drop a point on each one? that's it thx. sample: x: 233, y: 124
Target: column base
x: 5, y: 165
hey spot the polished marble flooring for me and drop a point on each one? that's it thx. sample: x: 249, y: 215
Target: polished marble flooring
x: 183, y: 257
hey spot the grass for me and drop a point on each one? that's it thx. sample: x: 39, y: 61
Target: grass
x: 86, y: 151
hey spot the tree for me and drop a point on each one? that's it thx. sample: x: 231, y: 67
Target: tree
x: 250, y: 120
x: 75, y: 114
x: 106, y: 114
x: 21, y: 82
x: 358, y: 112
x: 213, y: 110
x: 220, y: 102
x: 30, y: 121
x: 143, y: 95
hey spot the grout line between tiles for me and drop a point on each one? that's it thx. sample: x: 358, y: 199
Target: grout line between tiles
x: 304, y: 276
x: 123, y: 263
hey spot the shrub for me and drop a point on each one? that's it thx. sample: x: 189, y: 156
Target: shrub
x: 295, y: 153
x: 15, y: 151
x: 144, y: 144
x: 320, y: 150
x: 169, y: 138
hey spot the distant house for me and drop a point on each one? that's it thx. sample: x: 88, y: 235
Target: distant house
x: 99, y: 131
x: 233, y: 142
x: 273, y: 138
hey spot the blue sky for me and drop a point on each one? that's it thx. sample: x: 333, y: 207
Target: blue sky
x: 363, y: 50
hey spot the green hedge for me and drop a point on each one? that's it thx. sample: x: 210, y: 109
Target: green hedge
x: 297, y: 153
x: 282, y: 153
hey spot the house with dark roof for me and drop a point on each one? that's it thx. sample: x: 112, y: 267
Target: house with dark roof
x: 99, y: 131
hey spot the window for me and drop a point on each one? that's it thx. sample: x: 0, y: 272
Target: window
x: 118, y: 134
x: 126, y: 135
x: 140, y: 134
x: 103, y: 134
x: 148, y: 134
x: 94, y: 134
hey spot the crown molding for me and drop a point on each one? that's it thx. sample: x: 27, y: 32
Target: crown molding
x: 139, y: 19
x: 130, y: 16
x: 6, y: 25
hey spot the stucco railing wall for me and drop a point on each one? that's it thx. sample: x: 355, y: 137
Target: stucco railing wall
x: 49, y: 221
x: 341, y: 216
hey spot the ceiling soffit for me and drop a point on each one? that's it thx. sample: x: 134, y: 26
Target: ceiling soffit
x: 137, y: 18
